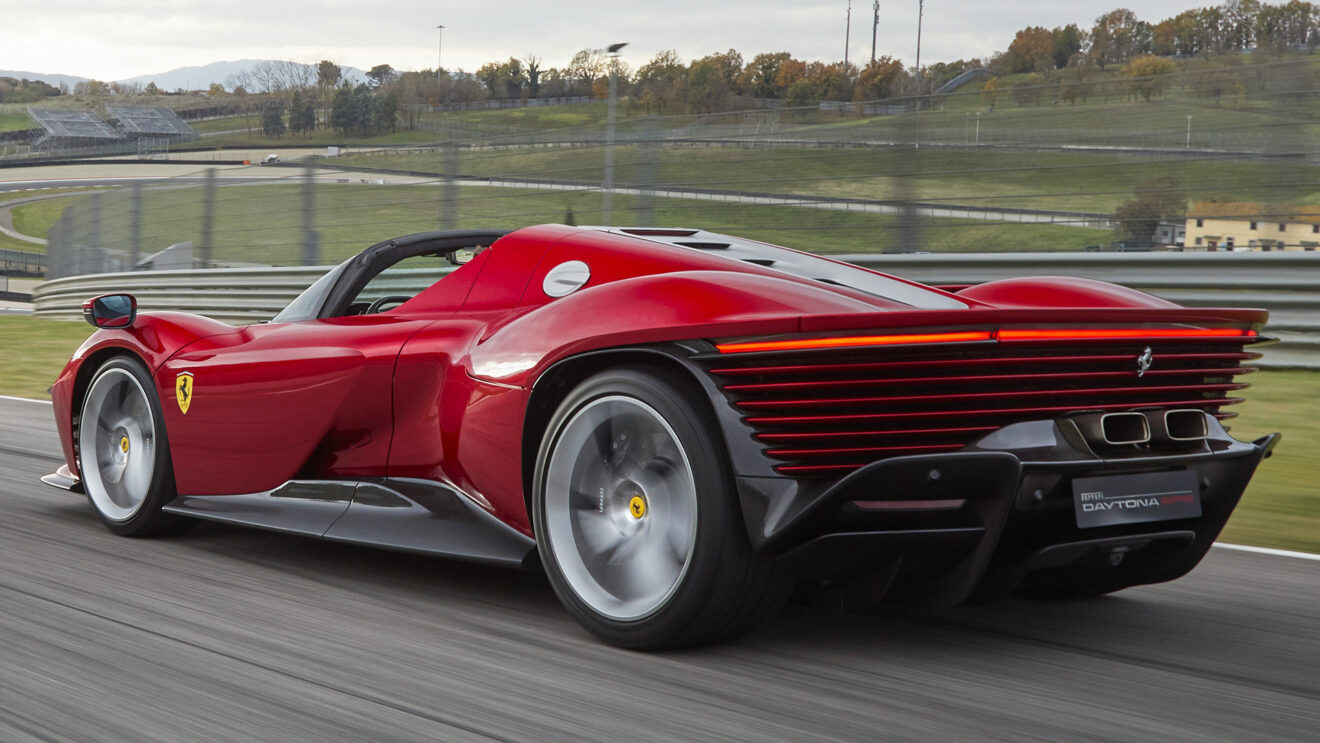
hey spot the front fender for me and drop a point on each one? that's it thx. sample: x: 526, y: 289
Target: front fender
x: 154, y: 337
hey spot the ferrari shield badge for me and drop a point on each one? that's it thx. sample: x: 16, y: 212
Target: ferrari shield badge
x: 183, y: 390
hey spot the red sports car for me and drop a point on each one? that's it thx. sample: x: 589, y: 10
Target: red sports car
x: 679, y: 426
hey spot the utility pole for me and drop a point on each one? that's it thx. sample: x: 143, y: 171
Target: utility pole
x: 847, y: 36
x: 608, y: 191
x: 439, y: 47
x: 921, y: 10
x: 875, y: 24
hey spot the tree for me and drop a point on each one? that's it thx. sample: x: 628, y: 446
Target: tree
x: 215, y: 89
x: 758, y: 76
x: 302, y: 115
x: 341, y: 111
x: 272, y: 118
x: 1148, y: 76
x: 659, y: 82
x: 1032, y: 49
x: 883, y: 78
x: 1029, y: 89
x: 1156, y: 199
x: 707, y: 90
x: 386, y: 112
x: 1118, y: 36
x: 990, y: 91
x: 152, y: 89
x: 381, y: 75
x: 533, y: 76
x: 1067, y: 41
x: 802, y: 94
x: 328, y: 75
x: 729, y: 66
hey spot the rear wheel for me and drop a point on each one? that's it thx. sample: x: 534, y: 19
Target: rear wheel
x: 636, y: 521
x: 123, y: 456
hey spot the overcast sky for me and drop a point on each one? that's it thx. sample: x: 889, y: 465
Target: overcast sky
x: 115, y: 39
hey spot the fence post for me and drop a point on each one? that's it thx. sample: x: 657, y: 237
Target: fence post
x: 98, y: 258
x: 449, y: 187
x: 206, y: 243
x: 311, y: 250
x: 647, y: 180
x: 135, y: 225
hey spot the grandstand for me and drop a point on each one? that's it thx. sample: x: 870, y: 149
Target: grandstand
x: 136, y: 122
x: 66, y: 128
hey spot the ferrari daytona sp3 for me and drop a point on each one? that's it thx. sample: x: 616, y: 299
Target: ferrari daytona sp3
x: 680, y: 427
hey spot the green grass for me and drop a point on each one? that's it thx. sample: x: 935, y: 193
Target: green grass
x: 38, y: 217
x: 1280, y: 509
x: 35, y: 352
x: 262, y: 224
x: 9, y: 243
x: 227, y: 123
x: 1051, y: 181
x: 11, y: 121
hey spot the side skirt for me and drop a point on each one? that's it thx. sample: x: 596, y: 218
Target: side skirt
x: 418, y: 516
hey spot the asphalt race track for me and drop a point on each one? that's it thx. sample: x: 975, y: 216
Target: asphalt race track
x: 236, y: 635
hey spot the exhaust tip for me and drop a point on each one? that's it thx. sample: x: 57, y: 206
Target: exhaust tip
x: 1186, y: 425
x: 1124, y: 428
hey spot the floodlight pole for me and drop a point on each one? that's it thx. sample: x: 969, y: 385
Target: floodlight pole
x: 439, y: 48
x: 608, y: 189
x: 847, y: 36
x: 921, y: 10
x: 875, y: 24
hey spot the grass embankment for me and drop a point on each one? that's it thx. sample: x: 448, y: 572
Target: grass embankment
x: 1047, y: 181
x: 1280, y: 509
x: 36, y: 218
x: 262, y: 224
x: 1282, y: 506
x: 15, y: 121
x: 35, y: 351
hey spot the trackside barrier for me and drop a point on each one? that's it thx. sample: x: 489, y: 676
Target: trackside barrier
x: 1286, y: 284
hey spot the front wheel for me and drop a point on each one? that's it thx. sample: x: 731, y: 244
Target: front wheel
x: 123, y: 455
x: 636, y: 521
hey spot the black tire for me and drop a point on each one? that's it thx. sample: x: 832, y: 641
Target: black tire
x: 122, y: 437
x: 722, y: 588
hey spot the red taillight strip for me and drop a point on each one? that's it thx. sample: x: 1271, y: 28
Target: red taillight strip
x: 1003, y: 334
x: 814, y: 419
x: 818, y: 435
x: 981, y: 378
x: 1092, y: 334
x: 1088, y: 392
x: 852, y: 341
x: 809, y: 468
x: 795, y: 453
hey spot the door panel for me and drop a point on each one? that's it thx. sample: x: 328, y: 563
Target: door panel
x: 276, y: 402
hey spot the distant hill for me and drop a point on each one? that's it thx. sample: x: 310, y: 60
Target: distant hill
x: 200, y: 78
x: 56, y: 80
x: 188, y: 78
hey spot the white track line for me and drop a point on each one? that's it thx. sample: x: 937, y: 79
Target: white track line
x: 1267, y: 551
x: 24, y: 399
x: 1221, y: 545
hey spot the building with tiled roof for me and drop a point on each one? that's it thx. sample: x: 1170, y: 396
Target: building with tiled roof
x: 1218, y: 225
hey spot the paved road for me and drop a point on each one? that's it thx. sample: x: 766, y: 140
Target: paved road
x: 235, y: 635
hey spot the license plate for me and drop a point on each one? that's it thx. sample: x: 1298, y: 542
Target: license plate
x: 1134, y: 499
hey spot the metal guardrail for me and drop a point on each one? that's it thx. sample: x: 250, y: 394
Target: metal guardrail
x: 1286, y: 284
x: 21, y: 261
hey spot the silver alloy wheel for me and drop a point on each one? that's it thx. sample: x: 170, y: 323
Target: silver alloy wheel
x: 620, y: 507
x: 117, y: 444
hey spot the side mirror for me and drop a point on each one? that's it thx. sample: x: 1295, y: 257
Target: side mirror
x: 110, y: 311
